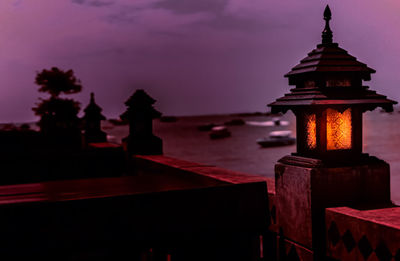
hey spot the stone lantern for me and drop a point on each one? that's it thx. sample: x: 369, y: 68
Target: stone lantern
x: 328, y: 101
x: 328, y: 168
x: 140, y: 114
x: 92, y: 122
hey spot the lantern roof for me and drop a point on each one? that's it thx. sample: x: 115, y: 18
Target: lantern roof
x: 301, y: 98
x: 330, y: 62
x: 329, y: 57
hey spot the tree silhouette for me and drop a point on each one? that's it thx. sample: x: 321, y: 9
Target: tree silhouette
x: 56, y: 81
x: 57, y: 115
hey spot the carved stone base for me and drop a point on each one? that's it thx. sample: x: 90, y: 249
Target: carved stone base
x: 305, y: 187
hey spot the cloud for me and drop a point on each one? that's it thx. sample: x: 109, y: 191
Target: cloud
x: 17, y: 3
x: 189, y: 7
x: 135, y: 4
x: 208, y: 56
x: 95, y: 3
x: 160, y: 20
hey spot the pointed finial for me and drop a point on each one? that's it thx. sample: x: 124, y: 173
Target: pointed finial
x: 327, y: 13
x: 327, y: 33
x: 92, y: 97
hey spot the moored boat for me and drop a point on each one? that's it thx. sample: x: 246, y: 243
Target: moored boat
x: 277, y: 138
x: 219, y: 132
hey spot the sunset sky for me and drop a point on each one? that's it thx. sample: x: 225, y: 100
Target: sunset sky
x: 192, y: 56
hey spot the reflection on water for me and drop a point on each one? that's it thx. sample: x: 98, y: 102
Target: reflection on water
x: 240, y: 152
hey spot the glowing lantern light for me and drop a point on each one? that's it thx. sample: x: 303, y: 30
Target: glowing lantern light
x: 329, y: 100
x: 338, y: 129
x: 311, y: 131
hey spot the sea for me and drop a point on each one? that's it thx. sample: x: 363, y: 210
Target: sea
x: 240, y: 152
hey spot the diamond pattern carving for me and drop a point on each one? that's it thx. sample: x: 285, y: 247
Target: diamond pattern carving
x: 338, y: 129
x: 382, y: 252
x: 333, y: 234
x: 365, y: 247
x: 348, y: 241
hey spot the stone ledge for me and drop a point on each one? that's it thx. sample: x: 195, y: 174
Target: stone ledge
x: 223, y: 175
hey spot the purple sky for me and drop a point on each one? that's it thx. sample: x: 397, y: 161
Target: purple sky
x: 192, y: 56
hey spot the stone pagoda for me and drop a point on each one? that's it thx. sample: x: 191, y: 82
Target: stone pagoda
x: 140, y: 114
x: 92, y: 123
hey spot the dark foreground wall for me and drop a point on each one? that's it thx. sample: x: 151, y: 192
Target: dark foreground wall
x: 134, y: 218
x: 177, y: 210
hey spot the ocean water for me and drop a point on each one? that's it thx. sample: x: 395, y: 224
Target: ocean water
x: 240, y: 152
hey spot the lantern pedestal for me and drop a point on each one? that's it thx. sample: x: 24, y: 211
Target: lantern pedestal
x: 305, y: 187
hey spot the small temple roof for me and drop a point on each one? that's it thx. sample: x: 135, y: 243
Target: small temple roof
x: 329, y: 59
x: 93, y: 111
x: 140, y: 103
x: 140, y: 98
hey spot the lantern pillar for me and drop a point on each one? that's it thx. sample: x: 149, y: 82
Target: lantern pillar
x: 329, y: 168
